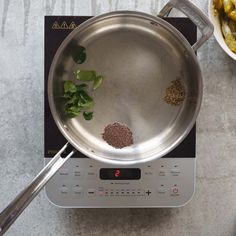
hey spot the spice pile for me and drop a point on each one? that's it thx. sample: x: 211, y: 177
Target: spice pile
x: 118, y: 135
x: 175, y: 94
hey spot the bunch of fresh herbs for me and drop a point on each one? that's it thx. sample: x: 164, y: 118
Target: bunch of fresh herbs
x: 76, y: 95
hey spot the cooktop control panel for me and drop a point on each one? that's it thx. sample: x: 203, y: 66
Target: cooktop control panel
x: 83, y: 182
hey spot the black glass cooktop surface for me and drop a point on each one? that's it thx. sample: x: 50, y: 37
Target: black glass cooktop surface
x: 56, y: 30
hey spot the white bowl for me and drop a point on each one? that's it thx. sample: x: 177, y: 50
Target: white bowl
x: 217, y: 30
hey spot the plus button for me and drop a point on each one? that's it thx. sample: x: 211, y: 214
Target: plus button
x: 148, y: 192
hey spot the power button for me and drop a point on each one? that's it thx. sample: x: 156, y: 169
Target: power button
x: 174, y: 191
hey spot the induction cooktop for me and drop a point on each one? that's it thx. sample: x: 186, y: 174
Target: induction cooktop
x: 86, y: 183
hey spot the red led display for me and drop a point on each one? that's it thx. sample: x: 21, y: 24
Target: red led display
x: 120, y: 174
x: 117, y: 173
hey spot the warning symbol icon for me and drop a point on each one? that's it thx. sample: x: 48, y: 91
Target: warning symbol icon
x: 72, y: 25
x: 56, y: 25
x: 64, y: 25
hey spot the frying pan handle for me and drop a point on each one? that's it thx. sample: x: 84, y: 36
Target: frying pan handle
x: 193, y: 13
x: 16, y: 207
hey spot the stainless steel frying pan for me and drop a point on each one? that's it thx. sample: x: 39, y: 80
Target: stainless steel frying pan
x: 139, y: 55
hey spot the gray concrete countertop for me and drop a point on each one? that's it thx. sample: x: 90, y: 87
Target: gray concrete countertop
x: 212, y: 210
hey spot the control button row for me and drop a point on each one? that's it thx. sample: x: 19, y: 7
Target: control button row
x: 162, y: 191
x: 121, y: 192
x: 173, y: 191
x: 79, y: 174
x: 173, y: 172
x: 76, y: 190
x: 92, y: 174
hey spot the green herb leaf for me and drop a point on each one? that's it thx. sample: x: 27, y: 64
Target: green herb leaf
x: 67, y: 95
x: 79, y: 54
x: 84, y: 104
x: 69, y: 87
x: 72, y: 111
x: 85, y: 75
x: 84, y: 96
x: 87, y: 115
x: 85, y: 100
x: 97, y: 82
x: 81, y: 87
x: 72, y: 99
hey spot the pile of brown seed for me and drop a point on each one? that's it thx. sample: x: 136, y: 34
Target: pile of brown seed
x: 175, y: 94
x: 118, y: 135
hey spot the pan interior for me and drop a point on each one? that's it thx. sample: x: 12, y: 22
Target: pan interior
x: 138, y: 60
